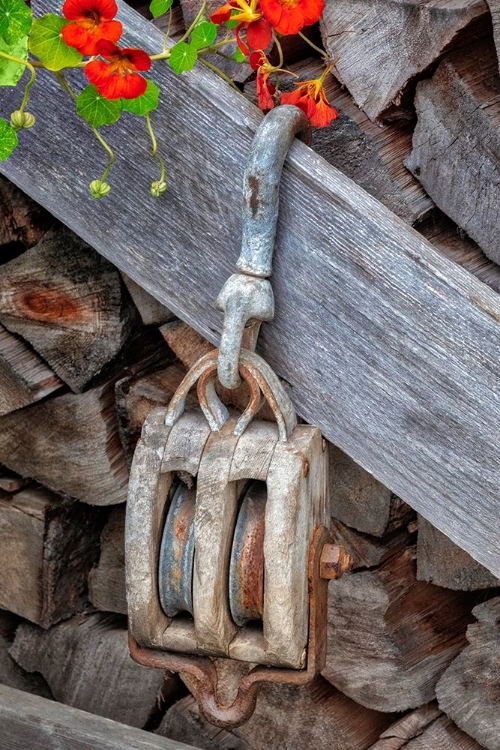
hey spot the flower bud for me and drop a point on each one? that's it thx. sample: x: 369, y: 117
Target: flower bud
x: 99, y: 189
x: 22, y: 120
x: 157, y: 188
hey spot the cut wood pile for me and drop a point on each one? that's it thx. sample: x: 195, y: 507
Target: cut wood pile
x: 414, y: 630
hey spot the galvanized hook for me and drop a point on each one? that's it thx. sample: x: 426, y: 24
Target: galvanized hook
x: 247, y: 297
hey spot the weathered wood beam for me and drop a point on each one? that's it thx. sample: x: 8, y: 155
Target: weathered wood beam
x: 27, y: 721
x: 387, y: 346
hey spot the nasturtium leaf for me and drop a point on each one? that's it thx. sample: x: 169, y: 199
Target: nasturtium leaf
x: 158, y: 8
x: 144, y: 104
x: 182, y: 57
x: 204, y: 35
x: 8, y: 140
x: 47, y: 44
x: 15, y: 20
x: 239, y: 56
x: 233, y: 24
x: 11, y: 72
x: 97, y: 110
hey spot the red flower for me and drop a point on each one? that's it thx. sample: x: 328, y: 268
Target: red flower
x: 117, y: 78
x: 265, y: 89
x: 259, y: 33
x: 93, y: 20
x: 310, y: 97
x: 290, y: 16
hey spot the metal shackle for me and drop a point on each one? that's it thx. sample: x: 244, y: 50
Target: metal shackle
x: 247, y: 296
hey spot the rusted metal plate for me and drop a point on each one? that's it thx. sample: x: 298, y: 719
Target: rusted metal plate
x: 175, y: 575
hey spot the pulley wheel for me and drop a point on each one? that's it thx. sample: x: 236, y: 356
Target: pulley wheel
x: 246, y: 568
x: 175, y: 574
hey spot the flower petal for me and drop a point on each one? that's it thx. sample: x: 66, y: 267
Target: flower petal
x: 76, y: 36
x: 116, y: 86
x: 97, y: 72
x: 272, y: 11
x: 323, y: 115
x: 75, y: 10
x: 259, y: 34
x: 137, y: 58
x: 107, y: 48
x: 111, y: 30
x: 223, y: 14
x: 312, y: 10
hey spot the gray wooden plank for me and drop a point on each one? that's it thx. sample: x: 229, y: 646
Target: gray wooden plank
x: 387, y: 346
x: 28, y: 721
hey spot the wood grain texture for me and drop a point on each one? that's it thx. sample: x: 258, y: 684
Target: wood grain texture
x: 47, y: 548
x: 107, y: 577
x: 22, y: 221
x: 361, y: 37
x: 68, y: 302
x: 456, y: 143
x: 11, y: 673
x: 151, y: 311
x: 24, y: 376
x: 469, y: 690
x: 425, y: 729
x: 494, y: 6
x: 368, y: 551
x: 28, y: 721
x: 87, y: 665
x: 316, y: 717
x: 69, y: 443
x: 390, y: 637
x: 403, y: 367
x: 443, y: 563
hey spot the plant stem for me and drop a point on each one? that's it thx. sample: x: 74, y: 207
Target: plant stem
x: 314, y: 46
x: 280, y: 50
x: 195, y: 22
x: 154, y: 148
x: 31, y: 81
x: 219, y: 72
x: 112, y: 158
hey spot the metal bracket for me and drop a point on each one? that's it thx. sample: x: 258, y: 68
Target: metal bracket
x: 247, y: 297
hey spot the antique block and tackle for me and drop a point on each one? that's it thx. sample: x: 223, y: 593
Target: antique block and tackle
x: 228, y: 552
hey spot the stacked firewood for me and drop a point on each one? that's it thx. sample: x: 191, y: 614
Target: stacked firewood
x: 413, y: 629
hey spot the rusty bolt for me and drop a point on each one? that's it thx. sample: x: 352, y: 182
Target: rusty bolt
x: 334, y: 562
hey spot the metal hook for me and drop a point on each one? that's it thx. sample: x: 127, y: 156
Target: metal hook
x: 247, y: 297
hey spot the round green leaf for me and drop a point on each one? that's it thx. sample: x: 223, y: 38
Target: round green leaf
x: 8, y: 140
x: 159, y: 7
x: 97, y: 110
x: 47, y: 44
x: 11, y: 72
x: 182, y: 57
x: 15, y: 20
x: 144, y: 104
x: 204, y: 35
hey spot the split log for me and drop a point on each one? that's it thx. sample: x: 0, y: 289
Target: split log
x: 22, y: 221
x: 368, y: 551
x: 11, y: 673
x: 369, y: 154
x: 137, y: 395
x: 443, y: 563
x: 469, y: 690
x: 151, y: 311
x: 107, y: 578
x: 494, y: 6
x: 47, y: 548
x: 450, y: 240
x: 316, y: 716
x: 425, y: 729
x: 24, y: 376
x: 360, y: 501
x: 87, y: 665
x: 28, y: 721
x: 68, y: 302
x: 186, y: 343
x: 456, y: 144
x: 377, y: 71
x: 70, y: 444
x: 391, y: 637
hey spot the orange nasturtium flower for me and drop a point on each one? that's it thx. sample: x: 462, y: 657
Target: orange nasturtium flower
x: 247, y: 15
x: 290, y: 16
x: 118, y: 78
x: 92, y: 21
x: 310, y: 97
x: 265, y: 88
